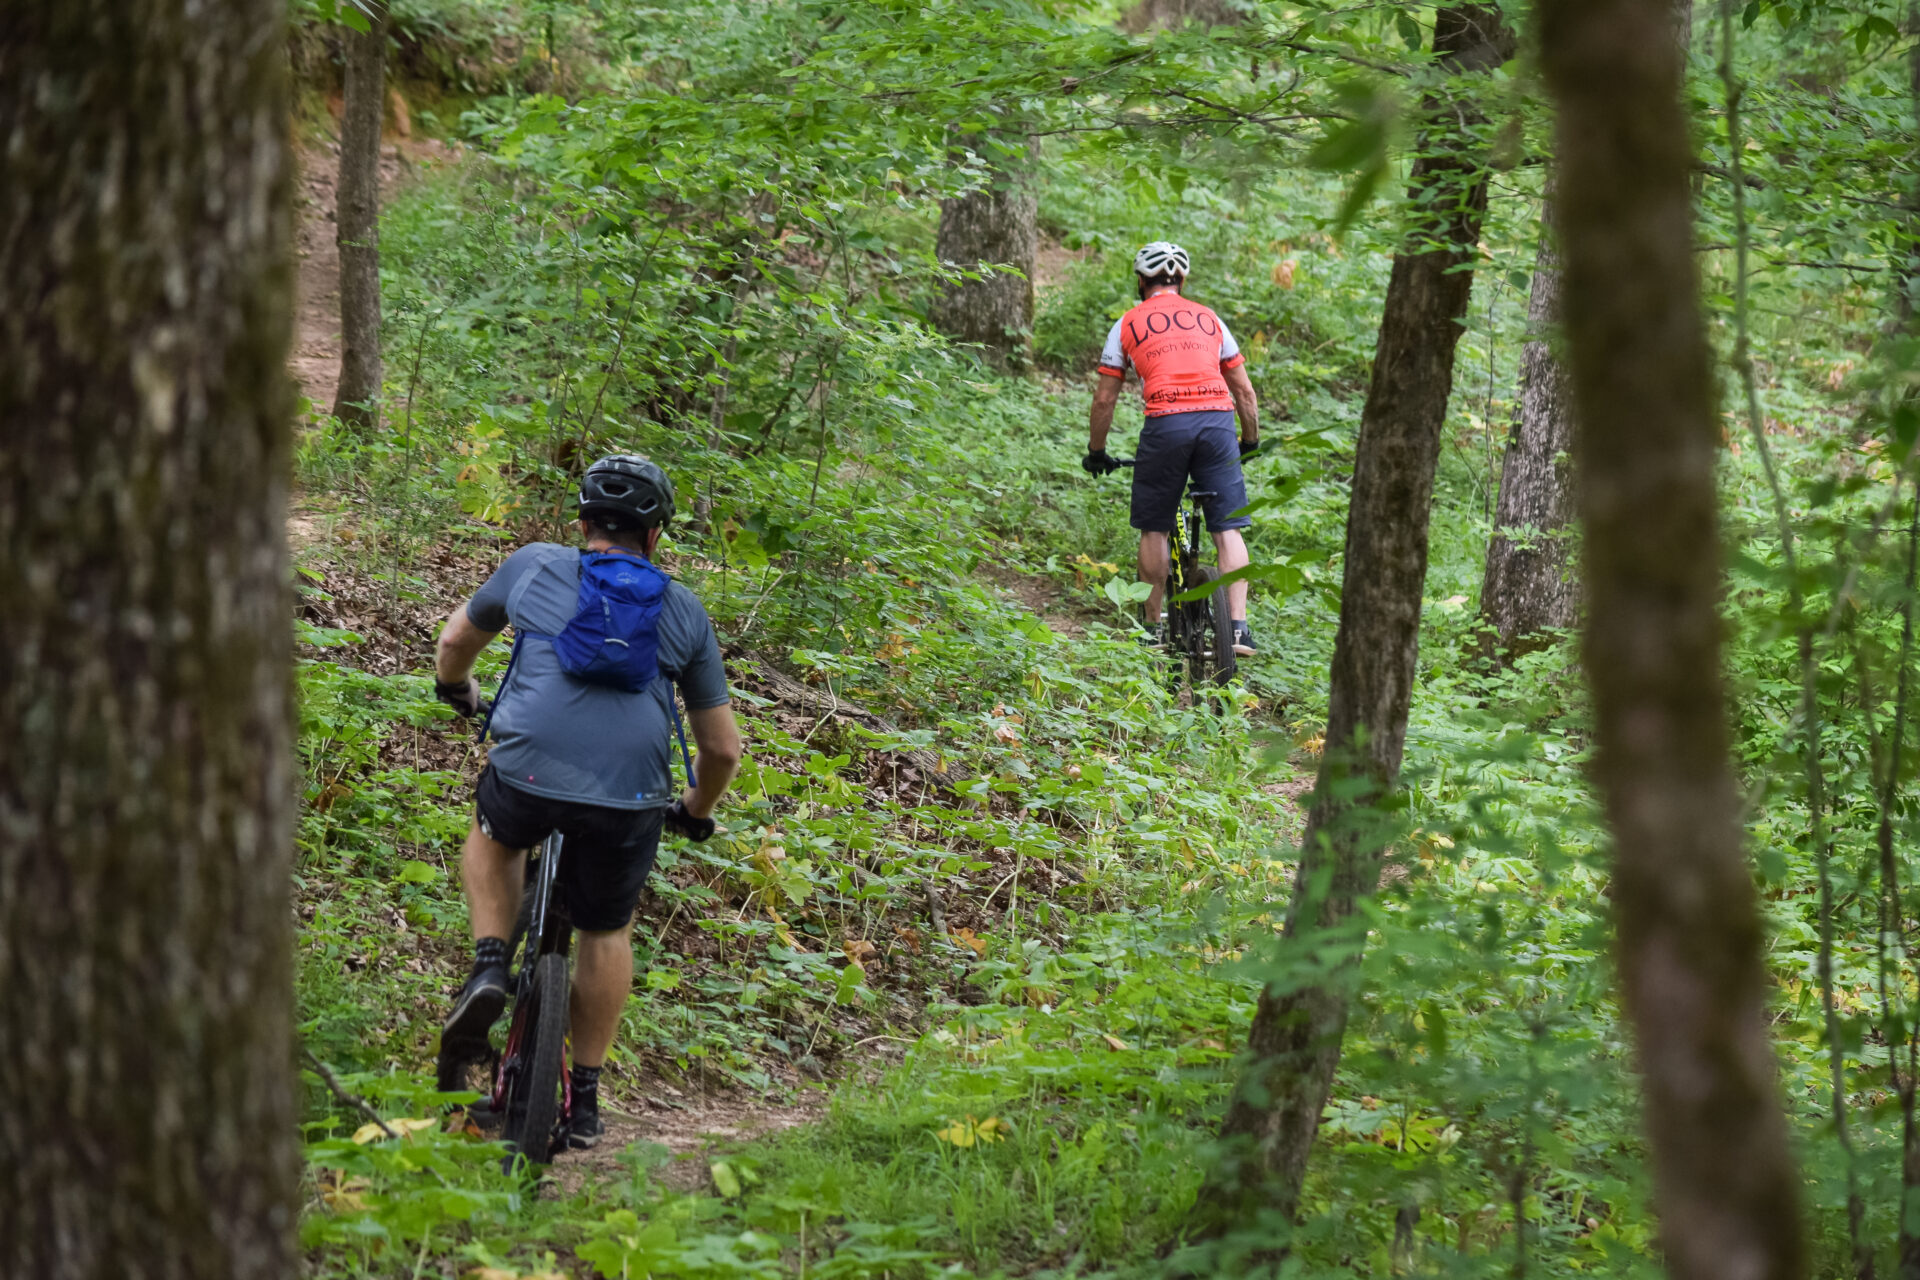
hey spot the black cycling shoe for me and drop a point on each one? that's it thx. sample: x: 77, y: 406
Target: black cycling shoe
x: 1153, y: 636
x: 1243, y: 644
x: 477, y: 1008
x: 584, y: 1126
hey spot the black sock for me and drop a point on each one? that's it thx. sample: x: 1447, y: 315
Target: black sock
x: 586, y: 1083
x: 490, y: 953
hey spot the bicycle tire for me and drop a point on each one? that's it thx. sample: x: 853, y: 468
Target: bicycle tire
x: 533, y: 1101
x: 1215, y: 634
x: 1179, y: 624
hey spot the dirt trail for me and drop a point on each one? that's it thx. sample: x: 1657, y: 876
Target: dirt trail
x: 315, y: 359
x: 1040, y: 597
x: 315, y: 362
x: 688, y: 1126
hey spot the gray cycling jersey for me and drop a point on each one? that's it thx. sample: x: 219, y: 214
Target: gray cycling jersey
x: 558, y: 736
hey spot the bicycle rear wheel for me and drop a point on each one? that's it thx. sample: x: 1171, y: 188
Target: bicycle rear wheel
x: 533, y: 1098
x: 1210, y: 656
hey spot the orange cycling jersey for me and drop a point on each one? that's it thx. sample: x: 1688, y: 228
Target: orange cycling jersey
x: 1181, y: 350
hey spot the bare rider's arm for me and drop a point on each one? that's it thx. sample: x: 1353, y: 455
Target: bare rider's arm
x: 1245, y: 403
x: 718, y: 759
x: 460, y: 643
x: 1106, y: 394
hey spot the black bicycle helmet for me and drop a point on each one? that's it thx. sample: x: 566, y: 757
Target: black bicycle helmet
x: 626, y: 491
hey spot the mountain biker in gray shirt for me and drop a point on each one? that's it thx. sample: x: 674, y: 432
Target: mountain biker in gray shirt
x: 589, y: 760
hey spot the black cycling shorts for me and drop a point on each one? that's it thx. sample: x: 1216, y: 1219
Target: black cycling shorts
x: 605, y: 855
x: 1174, y: 446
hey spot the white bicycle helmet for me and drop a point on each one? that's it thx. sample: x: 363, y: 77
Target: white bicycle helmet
x: 1162, y: 257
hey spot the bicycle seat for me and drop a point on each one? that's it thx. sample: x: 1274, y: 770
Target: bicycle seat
x: 1201, y: 493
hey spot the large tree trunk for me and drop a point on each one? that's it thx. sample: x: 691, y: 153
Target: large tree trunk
x: 1529, y: 585
x: 145, y: 781
x: 1171, y: 15
x: 357, y: 225
x: 1689, y: 935
x: 997, y: 224
x: 1295, y: 1041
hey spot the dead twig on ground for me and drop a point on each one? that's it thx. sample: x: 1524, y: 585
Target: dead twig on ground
x: 339, y: 1091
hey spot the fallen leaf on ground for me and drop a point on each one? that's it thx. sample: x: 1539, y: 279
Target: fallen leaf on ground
x: 405, y: 1127
x: 343, y: 1194
x: 968, y: 1132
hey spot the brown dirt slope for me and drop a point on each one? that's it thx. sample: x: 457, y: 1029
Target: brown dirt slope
x: 315, y: 361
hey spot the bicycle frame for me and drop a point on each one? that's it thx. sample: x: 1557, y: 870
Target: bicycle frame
x: 543, y: 934
x: 1183, y: 561
x: 540, y: 925
x: 1196, y: 629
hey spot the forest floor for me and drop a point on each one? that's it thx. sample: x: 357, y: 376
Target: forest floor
x: 693, y: 1117
x: 966, y: 900
x: 684, y: 1122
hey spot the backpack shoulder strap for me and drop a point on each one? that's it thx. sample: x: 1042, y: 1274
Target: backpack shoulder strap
x: 665, y: 686
x: 520, y: 633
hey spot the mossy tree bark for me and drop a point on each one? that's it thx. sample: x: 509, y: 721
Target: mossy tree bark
x: 1688, y: 932
x: 1294, y: 1044
x: 357, y: 224
x: 1530, y: 584
x: 145, y: 785
x: 997, y: 225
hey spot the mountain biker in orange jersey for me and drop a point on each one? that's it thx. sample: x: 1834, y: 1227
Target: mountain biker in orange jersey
x: 589, y: 760
x: 1194, y: 380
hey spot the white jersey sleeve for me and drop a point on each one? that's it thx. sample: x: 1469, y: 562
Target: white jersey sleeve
x: 1110, y: 355
x: 1229, y: 349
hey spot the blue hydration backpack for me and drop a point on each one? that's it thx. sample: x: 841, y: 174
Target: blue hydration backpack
x: 613, y: 637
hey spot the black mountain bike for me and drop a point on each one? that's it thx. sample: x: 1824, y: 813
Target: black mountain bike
x: 530, y: 1092
x: 525, y: 1087
x: 532, y: 1095
x: 1200, y: 630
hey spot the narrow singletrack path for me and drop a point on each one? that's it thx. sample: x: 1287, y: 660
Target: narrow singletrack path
x: 315, y: 359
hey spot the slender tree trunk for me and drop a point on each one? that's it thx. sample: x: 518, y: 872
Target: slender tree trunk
x: 1910, y: 280
x: 1893, y: 919
x: 357, y: 225
x: 145, y: 781
x: 1689, y: 934
x: 1530, y: 584
x: 997, y: 225
x: 1295, y: 1040
x: 1909, y: 285
x: 717, y: 413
